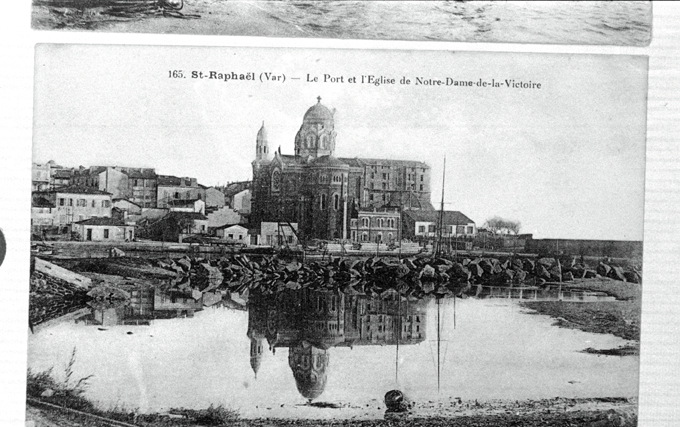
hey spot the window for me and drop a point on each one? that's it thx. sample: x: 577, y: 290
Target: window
x: 70, y: 202
x: 106, y: 203
x: 421, y: 177
x: 106, y: 233
x: 421, y: 187
x: 370, y: 197
x: 389, y: 237
x: 421, y: 229
x: 176, y: 195
x: 381, y: 222
x: 231, y: 235
x: 384, y: 186
x: 364, y: 237
x: 94, y: 205
x: 336, y: 202
x: 62, y: 202
x: 384, y: 176
x: 82, y: 203
x: 470, y: 230
x: 276, y: 181
x: 430, y: 228
x: 460, y: 229
x: 372, y: 186
x: 323, y: 202
x: 365, y: 222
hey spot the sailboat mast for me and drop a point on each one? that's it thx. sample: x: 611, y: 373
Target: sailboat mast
x: 438, y: 346
x: 441, y: 213
x: 396, y: 362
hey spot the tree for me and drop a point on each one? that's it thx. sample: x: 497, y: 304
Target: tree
x: 498, y: 225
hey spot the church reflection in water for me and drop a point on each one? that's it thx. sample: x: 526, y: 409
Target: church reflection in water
x: 310, y: 322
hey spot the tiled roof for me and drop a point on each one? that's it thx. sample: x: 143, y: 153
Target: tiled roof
x: 182, y: 202
x: 102, y: 221
x: 187, y: 215
x: 62, y: 173
x: 169, y: 180
x: 407, y: 163
x: 75, y: 189
x: 328, y: 161
x: 354, y: 162
x: 450, y: 217
x: 42, y: 202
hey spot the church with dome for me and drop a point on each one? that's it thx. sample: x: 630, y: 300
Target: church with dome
x: 321, y: 192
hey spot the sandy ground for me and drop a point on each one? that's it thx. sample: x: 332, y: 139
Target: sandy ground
x: 547, y: 412
x: 244, y: 18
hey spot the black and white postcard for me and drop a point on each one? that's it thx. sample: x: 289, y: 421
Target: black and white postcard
x: 261, y: 236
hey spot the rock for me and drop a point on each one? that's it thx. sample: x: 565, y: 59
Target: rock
x: 546, y: 262
x: 396, y: 401
x: 568, y: 277
x: 542, y: 272
x: 632, y: 277
x: 427, y: 272
x: 617, y: 273
x: 603, y: 269
x: 48, y: 392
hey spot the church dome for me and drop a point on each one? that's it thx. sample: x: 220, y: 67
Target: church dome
x: 309, y: 365
x: 318, y: 114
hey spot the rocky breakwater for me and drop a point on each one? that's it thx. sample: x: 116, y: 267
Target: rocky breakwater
x: 415, y: 276
x: 51, y: 298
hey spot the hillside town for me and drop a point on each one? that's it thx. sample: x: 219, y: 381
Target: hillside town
x: 303, y: 198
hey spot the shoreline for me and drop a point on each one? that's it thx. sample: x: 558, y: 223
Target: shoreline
x: 554, y: 412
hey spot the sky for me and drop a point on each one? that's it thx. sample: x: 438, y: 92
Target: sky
x: 566, y: 160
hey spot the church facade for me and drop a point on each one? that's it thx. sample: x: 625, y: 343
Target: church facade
x: 321, y: 192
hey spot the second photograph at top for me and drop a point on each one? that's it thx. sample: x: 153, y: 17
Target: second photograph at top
x: 621, y: 23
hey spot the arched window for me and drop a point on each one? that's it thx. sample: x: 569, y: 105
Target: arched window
x: 389, y: 237
x: 364, y: 237
x: 378, y: 238
x: 336, y: 202
x: 324, y: 202
x: 276, y: 181
x: 381, y: 222
x: 365, y: 222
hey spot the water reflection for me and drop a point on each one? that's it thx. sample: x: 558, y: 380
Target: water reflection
x: 311, y: 322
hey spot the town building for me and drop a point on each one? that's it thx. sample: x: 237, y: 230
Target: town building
x: 214, y: 198
x: 322, y: 192
x: 104, y: 230
x: 135, y: 184
x: 187, y: 205
x: 241, y: 202
x: 43, y: 217
x: 422, y: 225
x: 175, y: 226
x: 74, y: 203
x: 127, y: 206
x: 233, y: 232
x: 276, y: 234
x: 171, y: 188
x: 48, y: 176
x: 234, y: 188
x: 378, y: 226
